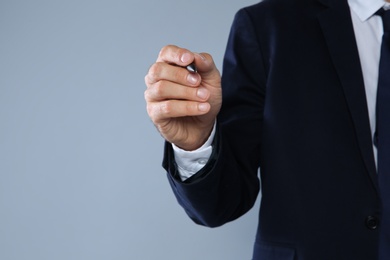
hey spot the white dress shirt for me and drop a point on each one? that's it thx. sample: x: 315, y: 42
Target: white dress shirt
x: 368, y: 32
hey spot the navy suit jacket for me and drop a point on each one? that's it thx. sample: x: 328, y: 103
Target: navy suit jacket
x: 294, y: 105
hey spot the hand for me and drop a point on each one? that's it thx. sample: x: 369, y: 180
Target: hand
x: 183, y: 105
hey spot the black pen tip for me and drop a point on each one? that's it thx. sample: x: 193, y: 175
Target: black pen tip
x: 192, y: 68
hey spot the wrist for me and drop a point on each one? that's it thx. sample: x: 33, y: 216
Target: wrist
x: 199, y: 142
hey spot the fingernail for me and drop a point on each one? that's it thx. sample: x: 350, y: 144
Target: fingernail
x: 201, y: 56
x: 192, y: 78
x: 203, y: 107
x: 186, y: 58
x: 202, y: 93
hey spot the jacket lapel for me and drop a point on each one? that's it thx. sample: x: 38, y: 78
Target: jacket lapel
x: 338, y: 31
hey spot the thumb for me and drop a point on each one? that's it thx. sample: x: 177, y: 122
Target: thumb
x: 206, y: 66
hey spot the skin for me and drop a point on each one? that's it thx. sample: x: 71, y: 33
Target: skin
x: 183, y: 105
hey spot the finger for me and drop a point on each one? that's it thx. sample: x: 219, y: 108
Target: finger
x: 163, y: 71
x: 160, y: 111
x: 205, y: 65
x: 175, y: 55
x: 165, y: 90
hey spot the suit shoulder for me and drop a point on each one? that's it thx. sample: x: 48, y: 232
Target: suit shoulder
x: 279, y: 5
x: 281, y: 10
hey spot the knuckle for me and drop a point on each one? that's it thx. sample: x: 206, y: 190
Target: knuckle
x: 166, y: 108
x: 190, y: 93
x: 180, y: 75
x: 150, y: 110
x: 166, y: 50
x: 176, y: 76
x: 154, y: 71
x: 170, y: 53
x: 158, y: 89
x: 154, y: 112
x: 156, y: 92
x: 190, y: 107
x: 163, y: 51
x: 147, y: 96
x: 147, y: 80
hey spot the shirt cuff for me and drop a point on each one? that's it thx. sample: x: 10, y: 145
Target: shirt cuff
x: 190, y: 162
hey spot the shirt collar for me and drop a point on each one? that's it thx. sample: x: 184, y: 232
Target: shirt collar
x: 364, y: 9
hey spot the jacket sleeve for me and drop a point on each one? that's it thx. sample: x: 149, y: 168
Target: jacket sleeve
x: 228, y: 185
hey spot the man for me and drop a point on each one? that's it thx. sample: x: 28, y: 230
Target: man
x: 299, y: 91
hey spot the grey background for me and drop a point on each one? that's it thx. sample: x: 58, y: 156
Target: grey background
x: 80, y: 174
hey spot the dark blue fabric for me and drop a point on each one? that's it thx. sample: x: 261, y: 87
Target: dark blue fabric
x: 272, y: 252
x: 383, y: 136
x: 294, y: 105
